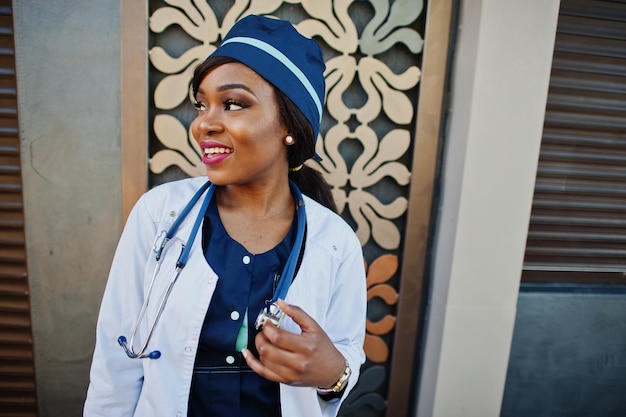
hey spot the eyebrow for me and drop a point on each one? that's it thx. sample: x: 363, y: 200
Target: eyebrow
x: 232, y: 86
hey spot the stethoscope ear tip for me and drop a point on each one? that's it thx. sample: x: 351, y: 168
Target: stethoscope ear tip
x: 155, y: 354
x: 121, y: 340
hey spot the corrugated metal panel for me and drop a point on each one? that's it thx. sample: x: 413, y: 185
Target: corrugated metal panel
x: 17, y: 376
x: 578, y: 224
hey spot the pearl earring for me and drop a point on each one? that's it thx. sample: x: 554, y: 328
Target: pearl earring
x: 289, y: 140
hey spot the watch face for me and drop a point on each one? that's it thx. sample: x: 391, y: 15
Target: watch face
x: 343, y: 381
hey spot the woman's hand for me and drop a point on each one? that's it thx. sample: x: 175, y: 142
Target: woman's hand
x: 308, y: 359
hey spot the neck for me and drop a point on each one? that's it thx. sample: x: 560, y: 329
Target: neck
x: 259, y: 202
x: 257, y: 218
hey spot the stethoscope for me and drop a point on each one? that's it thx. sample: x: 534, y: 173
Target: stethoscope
x: 163, y: 243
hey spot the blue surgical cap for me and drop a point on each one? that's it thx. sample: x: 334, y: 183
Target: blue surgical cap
x: 275, y: 50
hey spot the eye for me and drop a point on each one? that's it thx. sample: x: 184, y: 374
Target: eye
x: 200, y: 106
x: 233, y: 105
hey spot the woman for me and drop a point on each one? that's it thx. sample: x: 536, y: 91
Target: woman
x: 261, y: 247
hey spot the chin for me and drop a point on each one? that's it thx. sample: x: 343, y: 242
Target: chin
x: 217, y: 179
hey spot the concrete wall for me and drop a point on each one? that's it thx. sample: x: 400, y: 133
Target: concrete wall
x: 68, y: 84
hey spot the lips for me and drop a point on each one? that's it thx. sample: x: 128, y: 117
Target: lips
x: 214, y: 152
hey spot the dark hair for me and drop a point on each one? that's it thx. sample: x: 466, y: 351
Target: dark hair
x: 309, y: 180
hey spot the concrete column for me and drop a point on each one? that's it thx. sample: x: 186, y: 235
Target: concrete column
x: 499, y: 88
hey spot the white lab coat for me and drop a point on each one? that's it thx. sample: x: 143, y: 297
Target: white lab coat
x: 330, y: 287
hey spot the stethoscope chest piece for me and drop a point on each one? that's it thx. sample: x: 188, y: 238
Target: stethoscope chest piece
x: 272, y: 313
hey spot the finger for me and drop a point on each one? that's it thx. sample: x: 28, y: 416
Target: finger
x: 309, y: 364
x: 299, y: 316
x: 261, y: 369
x: 282, y: 339
x: 277, y: 346
x: 276, y: 371
x: 288, y: 357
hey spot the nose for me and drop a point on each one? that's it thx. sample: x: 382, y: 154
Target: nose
x: 207, y: 123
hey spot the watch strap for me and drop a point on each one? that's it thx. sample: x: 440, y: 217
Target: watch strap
x: 340, y: 385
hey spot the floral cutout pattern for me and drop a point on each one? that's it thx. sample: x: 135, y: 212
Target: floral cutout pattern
x: 379, y: 272
x: 385, y: 90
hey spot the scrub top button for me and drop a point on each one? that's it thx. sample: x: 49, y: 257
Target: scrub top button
x: 234, y: 315
x: 230, y: 359
x: 246, y: 260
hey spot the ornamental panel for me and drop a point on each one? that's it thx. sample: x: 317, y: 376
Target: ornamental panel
x: 373, y: 53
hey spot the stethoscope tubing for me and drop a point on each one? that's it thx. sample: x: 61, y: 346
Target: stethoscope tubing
x: 289, y: 269
x: 281, y: 289
x: 180, y: 264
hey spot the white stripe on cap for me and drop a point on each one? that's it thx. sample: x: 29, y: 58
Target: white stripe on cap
x: 266, y: 47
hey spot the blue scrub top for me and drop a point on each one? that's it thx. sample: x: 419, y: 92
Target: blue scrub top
x: 222, y: 383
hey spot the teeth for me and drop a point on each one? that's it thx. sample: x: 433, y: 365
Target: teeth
x: 211, y: 151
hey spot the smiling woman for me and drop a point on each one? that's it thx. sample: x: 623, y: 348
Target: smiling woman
x: 271, y: 242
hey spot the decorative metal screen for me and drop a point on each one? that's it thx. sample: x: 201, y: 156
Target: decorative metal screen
x: 373, y: 56
x: 17, y: 368
x: 577, y: 231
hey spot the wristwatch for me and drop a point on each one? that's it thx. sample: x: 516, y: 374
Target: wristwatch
x: 340, y: 385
